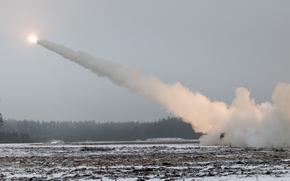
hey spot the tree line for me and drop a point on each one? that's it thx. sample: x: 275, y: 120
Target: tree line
x: 71, y: 131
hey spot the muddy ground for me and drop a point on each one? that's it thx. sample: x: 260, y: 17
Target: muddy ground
x: 139, y: 161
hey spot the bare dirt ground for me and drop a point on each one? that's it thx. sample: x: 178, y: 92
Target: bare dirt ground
x: 85, y: 161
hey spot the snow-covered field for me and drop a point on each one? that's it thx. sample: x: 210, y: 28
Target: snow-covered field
x: 140, y: 160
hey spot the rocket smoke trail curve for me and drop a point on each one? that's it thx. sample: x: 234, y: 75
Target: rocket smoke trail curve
x: 244, y: 122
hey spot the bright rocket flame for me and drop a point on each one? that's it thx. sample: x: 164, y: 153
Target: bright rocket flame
x: 32, y: 38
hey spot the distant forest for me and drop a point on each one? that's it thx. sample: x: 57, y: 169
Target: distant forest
x: 12, y: 131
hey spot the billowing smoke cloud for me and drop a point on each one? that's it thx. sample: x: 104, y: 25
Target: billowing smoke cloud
x: 243, y: 123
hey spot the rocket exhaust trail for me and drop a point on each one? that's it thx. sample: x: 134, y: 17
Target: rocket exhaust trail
x: 242, y: 123
x: 175, y: 98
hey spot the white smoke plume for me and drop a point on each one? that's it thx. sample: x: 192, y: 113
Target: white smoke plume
x: 243, y: 122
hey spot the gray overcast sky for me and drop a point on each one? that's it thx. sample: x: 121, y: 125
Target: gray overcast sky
x: 209, y: 46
